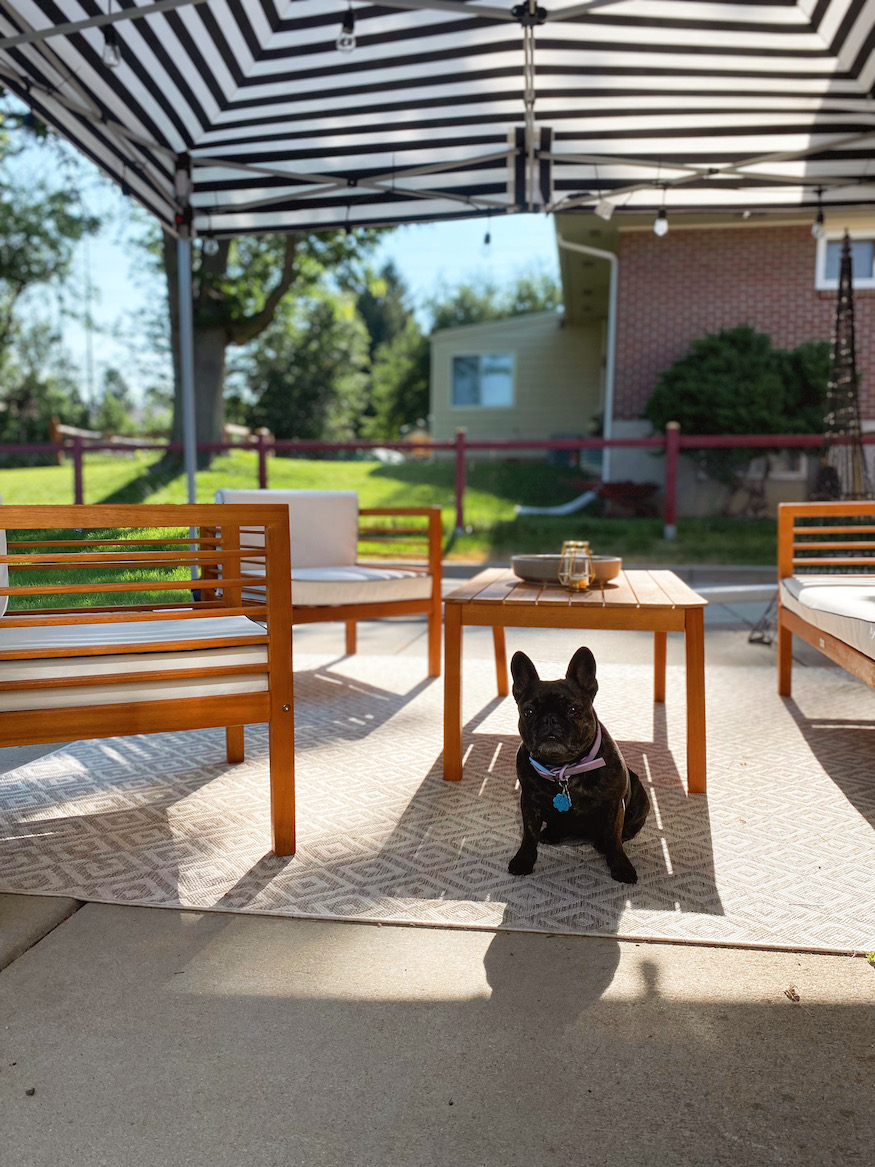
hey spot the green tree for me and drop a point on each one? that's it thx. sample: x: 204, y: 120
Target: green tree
x: 481, y: 300
x: 39, y: 230
x: 305, y: 376
x: 399, y: 383
x: 238, y: 287
x: 113, y: 412
x: 383, y: 306
x: 734, y: 382
x: 37, y: 382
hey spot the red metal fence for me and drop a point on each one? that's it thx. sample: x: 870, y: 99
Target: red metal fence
x: 673, y: 442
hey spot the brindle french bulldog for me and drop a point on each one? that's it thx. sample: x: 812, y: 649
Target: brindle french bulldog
x: 573, y: 780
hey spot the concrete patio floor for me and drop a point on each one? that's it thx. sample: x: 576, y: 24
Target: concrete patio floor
x: 157, y: 1037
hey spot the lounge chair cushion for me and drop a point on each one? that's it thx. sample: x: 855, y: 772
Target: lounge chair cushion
x: 137, y: 635
x: 323, y: 524
x: 332, y: 586
x: 843, y: 605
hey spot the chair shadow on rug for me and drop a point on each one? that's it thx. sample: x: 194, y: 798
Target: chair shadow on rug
x: 335, y: 706
x: 843, y: 747
x: 136, y: 847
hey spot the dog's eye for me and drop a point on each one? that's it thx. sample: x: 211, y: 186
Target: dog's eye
x: 574, y: 710
x: 528, y: 711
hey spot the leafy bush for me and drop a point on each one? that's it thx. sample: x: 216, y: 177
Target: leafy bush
x: 735, y: 382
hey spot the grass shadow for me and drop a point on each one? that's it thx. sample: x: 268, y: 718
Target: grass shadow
x: 154, y: 478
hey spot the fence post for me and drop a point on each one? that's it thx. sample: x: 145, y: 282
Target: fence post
x: 460, y: 480
x: 672, y: 449
x: 78, y: 486
x: 262, y: 458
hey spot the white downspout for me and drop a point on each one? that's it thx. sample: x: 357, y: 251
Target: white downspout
x: 611, y: 257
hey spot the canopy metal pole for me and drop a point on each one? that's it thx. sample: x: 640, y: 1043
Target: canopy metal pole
x: 186, y: 323
x: 186, y: 365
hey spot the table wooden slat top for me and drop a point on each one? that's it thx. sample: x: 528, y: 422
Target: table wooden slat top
x: 631, y: 589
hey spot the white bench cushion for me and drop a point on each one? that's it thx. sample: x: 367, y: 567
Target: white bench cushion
x: 323, y: 524
x: 332, y: 586
x: 843, y: 605
x: 135, y: 635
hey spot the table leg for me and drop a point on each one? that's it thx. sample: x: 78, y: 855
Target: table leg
x: 659, y: 641
x: 500, y: 659
x: 452, y: 692
x: 694, y: 636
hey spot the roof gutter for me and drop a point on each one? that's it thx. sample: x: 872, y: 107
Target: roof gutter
x: 608, y: 423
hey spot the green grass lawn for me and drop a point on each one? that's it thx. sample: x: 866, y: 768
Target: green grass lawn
x: 494, y: 488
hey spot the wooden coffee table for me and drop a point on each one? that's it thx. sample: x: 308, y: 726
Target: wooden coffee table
x: 643, y: 601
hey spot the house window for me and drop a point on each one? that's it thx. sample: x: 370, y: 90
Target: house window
x: 829, y: 256
x: 483, y: 380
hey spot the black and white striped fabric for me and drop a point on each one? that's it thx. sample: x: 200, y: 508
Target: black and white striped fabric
x: 449, y: 108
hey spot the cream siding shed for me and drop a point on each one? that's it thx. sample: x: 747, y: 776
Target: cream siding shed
x: 557, y: 377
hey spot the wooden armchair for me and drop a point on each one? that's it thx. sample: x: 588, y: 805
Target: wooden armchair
x: 350, y: 564
x: 107, y: 633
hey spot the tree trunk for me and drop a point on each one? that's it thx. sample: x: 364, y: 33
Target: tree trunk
x: 209, y: 367
x: 209, y: 384
x: 214, y: 329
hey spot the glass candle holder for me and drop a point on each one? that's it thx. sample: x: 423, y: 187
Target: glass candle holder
x: 576, y: 570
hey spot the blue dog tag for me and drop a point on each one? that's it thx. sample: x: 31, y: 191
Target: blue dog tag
x: 562, y: 801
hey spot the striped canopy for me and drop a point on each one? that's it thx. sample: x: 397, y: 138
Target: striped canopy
x: 445, y: 108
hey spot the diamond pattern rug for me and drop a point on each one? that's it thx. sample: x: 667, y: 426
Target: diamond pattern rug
x: 781, y: 851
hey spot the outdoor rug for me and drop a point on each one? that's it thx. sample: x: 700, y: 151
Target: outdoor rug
x: 781, y: 851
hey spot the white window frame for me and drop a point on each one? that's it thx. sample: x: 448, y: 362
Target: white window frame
x: 479, y: 355
x: 821, y: 283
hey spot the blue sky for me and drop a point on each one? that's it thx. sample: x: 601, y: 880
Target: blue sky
x: 428, y: 256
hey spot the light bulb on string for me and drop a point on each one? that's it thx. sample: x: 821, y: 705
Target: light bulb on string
x: 660, y: 223
x: 346, y: 37
x: 112, y: 50
x: 211, y: 246
x: 818, y: 227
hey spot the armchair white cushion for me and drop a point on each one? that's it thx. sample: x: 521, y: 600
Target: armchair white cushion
x: 323, y: 530
x: 328, y: 583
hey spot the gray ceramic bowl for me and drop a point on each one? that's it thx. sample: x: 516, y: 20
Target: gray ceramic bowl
x: 545, y: 568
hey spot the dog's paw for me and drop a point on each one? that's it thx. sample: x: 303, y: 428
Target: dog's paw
x: 623, y: 871
x: 551, y: 836
x: 523, y: 863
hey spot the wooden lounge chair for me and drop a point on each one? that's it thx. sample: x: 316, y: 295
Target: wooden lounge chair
x: 826, y: 585
x: 333, y: 580
x: 91, y: 648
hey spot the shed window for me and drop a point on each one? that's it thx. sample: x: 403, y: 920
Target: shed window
x: 483, y: 380
x: 829, y: 257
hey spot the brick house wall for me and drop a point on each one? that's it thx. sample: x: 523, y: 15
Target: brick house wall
x: 676, y: 289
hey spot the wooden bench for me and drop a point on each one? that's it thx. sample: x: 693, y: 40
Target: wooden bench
x: 110, y: 630
x: 826, y: 585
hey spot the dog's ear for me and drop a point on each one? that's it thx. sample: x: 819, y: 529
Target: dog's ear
x: 523, y: 672
x: 581, y: 672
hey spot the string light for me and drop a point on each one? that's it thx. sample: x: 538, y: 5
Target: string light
x: 112, y: 50
x: 660, y: 223
x: 346, y: 37
x: 818, y: 228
